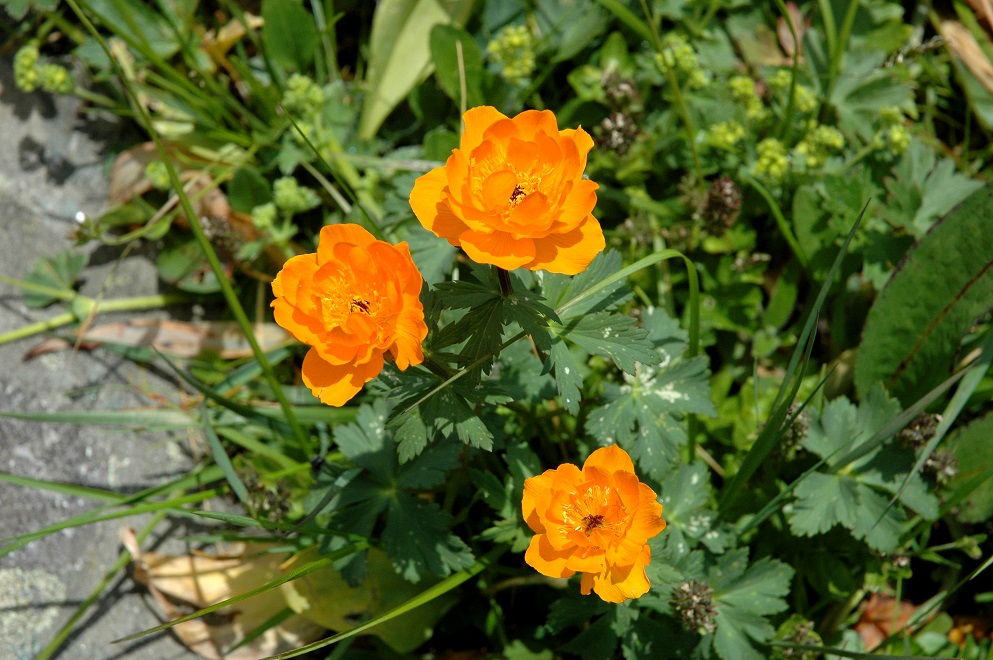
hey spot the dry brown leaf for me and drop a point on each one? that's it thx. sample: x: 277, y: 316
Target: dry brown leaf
x: 966, y: 48
x: 177, y: 338
x: 218, y: 43
x: 201, y: 580
x: 127, y: 174
x: 880, y: 618
x: 800, y: 26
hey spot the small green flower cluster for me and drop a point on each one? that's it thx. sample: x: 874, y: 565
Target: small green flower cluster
x: 743, y: 92
x: 303, y: 97
x: 513, y: 50
x: 804, y: 99
x: 292, y: 198
x: 30, y: 73
x: 264, y: 216
x: 893, y: 136
x: 773, y: 162
x: 814, y: 149
x: 677, y: 54
x: 725, y: 135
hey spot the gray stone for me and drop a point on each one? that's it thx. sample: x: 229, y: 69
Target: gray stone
x: 53, y: 168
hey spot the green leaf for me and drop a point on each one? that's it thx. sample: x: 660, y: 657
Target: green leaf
x: 137, y: 22
x: 851, y: 495
x: 326, y: 598
x: 972, y: 447
x: 568, y: 377
x: 644, y: 415
x: 743, y: 598
x: 399, y: 56
x: 411, y: 437
x: 184, y: 266
x: 289, y: 34
x: 434, y: 258
x: 560, y: 289
x: 430, y: 467
x: 447, y: 44
x: 914, y: 328
x: 923, y: 189
x: 59, y: 271
x: 418, y: 539
x: 684, y: 495
x: 615, y: 336
x: 248, y: 189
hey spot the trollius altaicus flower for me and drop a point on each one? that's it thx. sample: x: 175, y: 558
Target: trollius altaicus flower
x: 353, y: 301
x: 595, y: 521
x: 513, y: 194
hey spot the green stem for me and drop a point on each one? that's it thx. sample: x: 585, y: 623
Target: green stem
x: 215, y: 264
x: 506, y: 286
x: 838, y: 49
x: 781, y: 222
x: 677, y: 92
x: 34, y: 287
x: 787, y: 127
x: 38, y: 328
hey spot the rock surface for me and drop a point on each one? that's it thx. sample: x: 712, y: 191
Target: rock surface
x: 53, y: 167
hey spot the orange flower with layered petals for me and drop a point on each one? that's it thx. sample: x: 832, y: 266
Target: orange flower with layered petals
x: 353, y: 301
x: 595, y: 521
x: 513, y: 194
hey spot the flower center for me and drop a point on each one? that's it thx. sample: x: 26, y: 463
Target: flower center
x: 591, y: 522
x: 527, y: 183
x: 359, y: 305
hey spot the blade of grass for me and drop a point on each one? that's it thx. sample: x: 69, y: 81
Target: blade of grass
x: 116, y: 569
x: 215, y: 264
x: 784, y: 398
x: 223, y: 461
x: 777, y: 213
x: 151, y: 418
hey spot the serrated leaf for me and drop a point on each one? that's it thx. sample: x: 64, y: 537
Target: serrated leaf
x: 914, y: 329
x: 923, y: 189
x: 494, y: 493
x: 560, y: 289
x: 568, y: 379
x: 743, y: 598
x: 411, y: 437
x: 615, y: 336
x: 851, y: 496
x: 428, y: 470
x: 59, y: 271
x: 529, y: 311
x: 364, y: 441
x: 643, y: 415
x: 418, y: 539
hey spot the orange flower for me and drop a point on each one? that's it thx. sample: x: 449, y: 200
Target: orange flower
x: 513, y: 194
x: 353, y: 301
x: 595, y: 521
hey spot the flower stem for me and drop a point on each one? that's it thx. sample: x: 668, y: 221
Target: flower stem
x: 506, y: 286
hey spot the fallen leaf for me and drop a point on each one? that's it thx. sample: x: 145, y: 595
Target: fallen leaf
x: 176, y: 338
x: 201, y: 580
x: 881, y: 617
x: 965, y: 47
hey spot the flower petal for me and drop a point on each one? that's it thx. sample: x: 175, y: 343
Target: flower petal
x: 430, y: 205
x: 545, y: 559
x: 569, y: 253
x: 336, y: 384
x: 331, y: 235
x: 531, y: 122
x: 498, y: 248
x: 476, y: 121
x: 610, y: 459
x: 620, y: 583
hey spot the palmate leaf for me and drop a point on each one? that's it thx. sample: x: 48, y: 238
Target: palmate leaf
x: 560, y: 289
x: 59, y: 271
x: 743, y: 598
x: 416, y: 533
x: 854, y: 497
x: 615, y: 336
x: 684, y: 495
x: 644, y: 414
